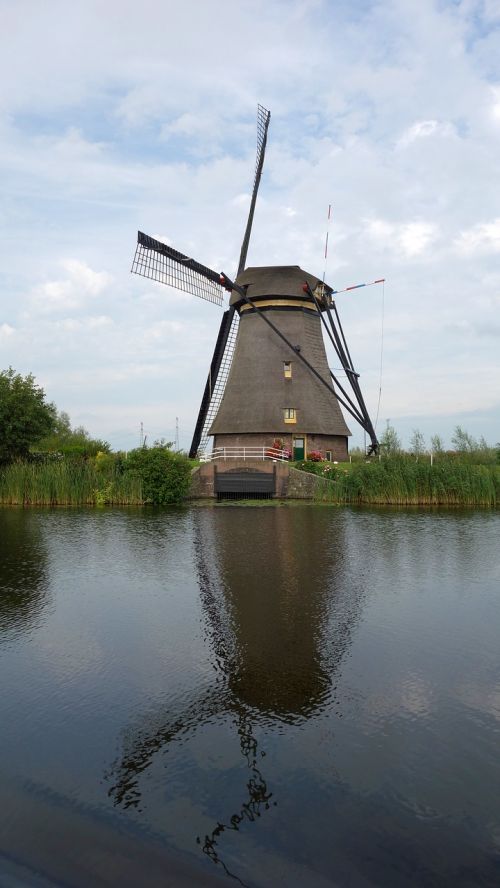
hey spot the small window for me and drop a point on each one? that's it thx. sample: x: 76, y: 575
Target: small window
x: 287, y: 369
x: 328, y: 455
x: 290, y: 414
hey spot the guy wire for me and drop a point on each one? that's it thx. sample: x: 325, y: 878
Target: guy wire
x: 381, y: 354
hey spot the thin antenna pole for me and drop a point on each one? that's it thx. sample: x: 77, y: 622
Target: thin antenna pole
x: 176, y: 432
x: 141, y: 436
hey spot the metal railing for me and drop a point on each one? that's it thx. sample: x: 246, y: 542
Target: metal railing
x: 245, y: 453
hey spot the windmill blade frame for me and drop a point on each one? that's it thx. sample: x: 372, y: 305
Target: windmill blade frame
x: 263, y: 120
x: 159, y: 262
x: 224, y: 347
x: 216, y: 380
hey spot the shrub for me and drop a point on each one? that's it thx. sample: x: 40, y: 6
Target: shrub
x: 165, y: 476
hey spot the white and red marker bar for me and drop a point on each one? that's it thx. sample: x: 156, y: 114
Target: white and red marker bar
x: 357, y: 286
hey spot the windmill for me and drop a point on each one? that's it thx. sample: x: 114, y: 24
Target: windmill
x: 269, y: 378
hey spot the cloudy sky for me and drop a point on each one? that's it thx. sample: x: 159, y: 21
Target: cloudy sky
x: 120, y: 116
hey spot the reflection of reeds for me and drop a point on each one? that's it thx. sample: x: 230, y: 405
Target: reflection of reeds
x: 71, y: 483
x: 405, y: 482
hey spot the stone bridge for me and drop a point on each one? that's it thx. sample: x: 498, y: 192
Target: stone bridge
x: 254, y: 477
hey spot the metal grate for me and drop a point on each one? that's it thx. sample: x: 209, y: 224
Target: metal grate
x: 220, y: 384
x: 161, y: 263
x: 263, y: 118
x: 247, y: 495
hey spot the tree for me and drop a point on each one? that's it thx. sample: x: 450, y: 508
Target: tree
x: 25, y: 416
x: 417, y: 444
x: 390, y: 443
x: 463, y: 442
x: 71, y: 442
x: 437, y: 445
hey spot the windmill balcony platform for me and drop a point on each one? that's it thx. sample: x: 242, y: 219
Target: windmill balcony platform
x: 252, y: 477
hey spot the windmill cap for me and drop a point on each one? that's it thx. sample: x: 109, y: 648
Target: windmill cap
x: 276, y: 280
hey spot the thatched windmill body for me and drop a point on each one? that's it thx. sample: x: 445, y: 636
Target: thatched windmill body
x: 269, y: 379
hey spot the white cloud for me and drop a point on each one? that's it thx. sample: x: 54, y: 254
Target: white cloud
x: 481, y: 238
x: 74, y: 290
x: 6, y: 330
x: 421, y: 129
x: 88, y: 323
x: 415, y: 237
x: 71, y: 145
x: 410, y: 238
x: 495, y: 107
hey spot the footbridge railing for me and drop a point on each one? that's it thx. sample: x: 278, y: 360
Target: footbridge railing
x: 221, y: 453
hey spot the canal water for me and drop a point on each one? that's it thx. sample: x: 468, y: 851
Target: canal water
x: 293, y: 695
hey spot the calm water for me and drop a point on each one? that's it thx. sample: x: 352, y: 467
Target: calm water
x: 280, y: 695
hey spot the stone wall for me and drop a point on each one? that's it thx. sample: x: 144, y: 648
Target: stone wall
x: 290, y: 482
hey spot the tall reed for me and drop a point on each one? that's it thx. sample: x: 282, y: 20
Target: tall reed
x: 406, y: 482
x: 73, y: 483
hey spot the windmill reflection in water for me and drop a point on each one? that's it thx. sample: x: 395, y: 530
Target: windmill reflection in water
x: 277, y: 628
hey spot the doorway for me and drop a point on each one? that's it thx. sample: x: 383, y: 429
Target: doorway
x: 299, y: 448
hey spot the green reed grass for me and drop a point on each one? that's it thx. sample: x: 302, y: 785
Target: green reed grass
x: 72, y: 483
x: 406, y: 482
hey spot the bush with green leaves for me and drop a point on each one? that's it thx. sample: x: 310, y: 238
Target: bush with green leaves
x: 165, y: 475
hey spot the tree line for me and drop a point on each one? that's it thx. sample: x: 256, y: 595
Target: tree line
x: 464, y: 446
x: 44, y: 460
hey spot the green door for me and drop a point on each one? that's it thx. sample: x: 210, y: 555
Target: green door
x: 298, y: 448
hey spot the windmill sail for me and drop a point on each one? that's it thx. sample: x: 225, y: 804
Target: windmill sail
x: 223, y: 353
x: 263, y: 118
x: 216, y: 382
x: 161, y: 263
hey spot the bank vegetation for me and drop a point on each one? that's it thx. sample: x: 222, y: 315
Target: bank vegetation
x: 400, y: 481
x: 155, y: 475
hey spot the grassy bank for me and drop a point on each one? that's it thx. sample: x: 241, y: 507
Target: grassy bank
x: 154, y: 475
x: 391, y: 481
x: 406, y: 482
x: 71, y: 483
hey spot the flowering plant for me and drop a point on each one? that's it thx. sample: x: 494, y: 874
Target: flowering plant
x: 314, y: 456
x: 279, y: 444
